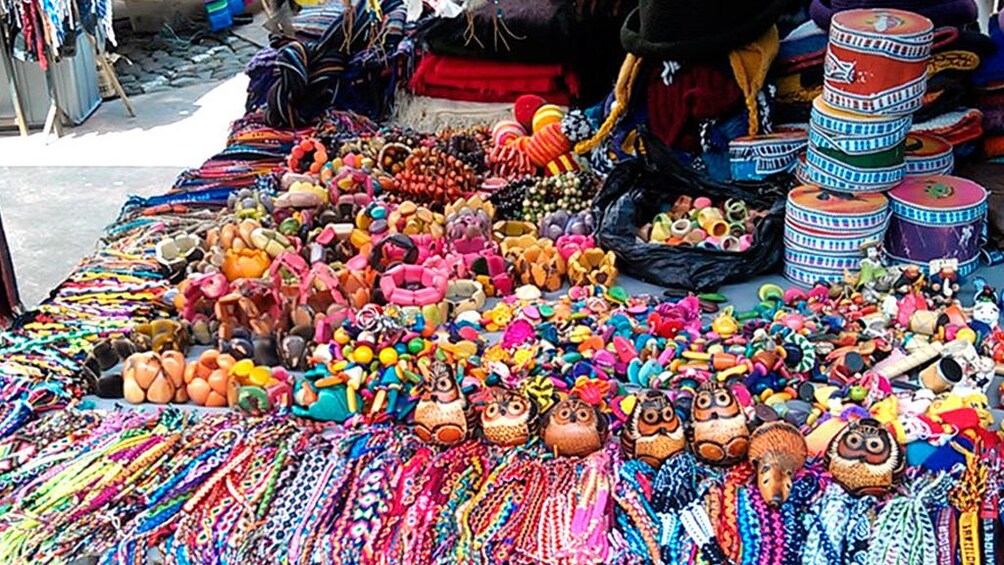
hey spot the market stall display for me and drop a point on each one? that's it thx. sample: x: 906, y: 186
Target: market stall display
x: 416, y: 346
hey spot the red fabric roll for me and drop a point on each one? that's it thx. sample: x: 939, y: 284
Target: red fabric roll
x: 479, y: 80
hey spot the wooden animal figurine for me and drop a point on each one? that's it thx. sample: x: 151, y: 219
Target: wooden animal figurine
x: 719, y: 433
x: 653, y: 432
x: 573, y: 427
x: 777, y: 450
x: 865, y: 458
x: 509, y: 418
x: 441, y: 416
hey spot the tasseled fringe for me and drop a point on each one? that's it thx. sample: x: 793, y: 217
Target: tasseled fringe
x: 424, y: 113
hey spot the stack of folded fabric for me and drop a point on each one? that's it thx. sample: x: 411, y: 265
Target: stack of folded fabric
x: 482, y: 57
x: 797, y: 73
x: 990, y: 80
x: 824, y: 232
x: 476, y: 80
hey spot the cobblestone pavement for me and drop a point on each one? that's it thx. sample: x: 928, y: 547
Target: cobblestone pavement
x: 161, y: 61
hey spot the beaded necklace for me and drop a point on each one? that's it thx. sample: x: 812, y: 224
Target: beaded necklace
x: 411, y: 484
x: 465, y: 486
x: 288, y: 509
x: 750, y: 533
x: 496, y: 507
x: 727, y: 526
x: 67, y: 500
x: 771, y: 529
x: 358, y: 526
x: 443, y: 469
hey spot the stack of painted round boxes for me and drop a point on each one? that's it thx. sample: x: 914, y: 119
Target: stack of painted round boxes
x: 875, y: 76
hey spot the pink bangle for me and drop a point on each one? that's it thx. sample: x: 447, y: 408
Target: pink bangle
x: 430, y: 285
x: 570, y: 243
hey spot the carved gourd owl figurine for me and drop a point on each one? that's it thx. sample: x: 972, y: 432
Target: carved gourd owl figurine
x: 777, y: 451
x: 509, y: 418
x: 865, y: 458
x: 653, y: 432
x: 719, y: 433
x: 573, y: 427
x: 441, y: 416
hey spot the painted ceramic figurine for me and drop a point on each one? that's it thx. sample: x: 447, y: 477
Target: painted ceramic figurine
x: 865, y: 458
x: 509, y: 418
x: 573, y: 427
x: 874, y: 276
x: 654, y: 432
x: 718, y: 427
x: 777, y: 451
x: 943, y: 284
x: 441, y: 415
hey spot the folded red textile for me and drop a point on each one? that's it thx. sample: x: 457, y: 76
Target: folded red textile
x: 459, y: 67
x: 478, y: 80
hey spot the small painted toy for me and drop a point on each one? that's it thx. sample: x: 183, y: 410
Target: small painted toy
x: 441, y: 416
x: 718, y: 427
x: 574, y: 427
x: 654, y: 432
x: 777, y: 450
x: 509, y: 418
x: 865, y: 458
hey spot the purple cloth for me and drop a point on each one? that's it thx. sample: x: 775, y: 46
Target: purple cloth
x: 991, y: 67
x: 940, y: 12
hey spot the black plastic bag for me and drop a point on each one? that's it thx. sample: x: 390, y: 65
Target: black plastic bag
x: 636, y: 189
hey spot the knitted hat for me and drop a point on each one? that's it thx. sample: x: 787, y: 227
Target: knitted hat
x: 941, y: 12
x: 524, y: 109
x: 696, y: 29
x: 697, y: 93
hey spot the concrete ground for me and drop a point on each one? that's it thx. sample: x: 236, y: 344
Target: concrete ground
x: 56, y: 195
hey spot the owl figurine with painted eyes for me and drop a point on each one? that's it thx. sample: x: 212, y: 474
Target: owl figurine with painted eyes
x: 865, y: 458
x: 653, y: 432
x: 719, y: 432
x: 573, y: 427
x: 509, y: 418
x: 442, y: 414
